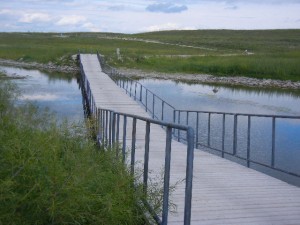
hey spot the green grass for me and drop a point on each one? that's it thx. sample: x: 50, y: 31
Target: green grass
x: 263, y: 66
x: 53, y: 174
x: 276, y: 53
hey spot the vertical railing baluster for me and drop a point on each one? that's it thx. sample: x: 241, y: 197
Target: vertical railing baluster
x: 208, y: 130
x: 133, y: 140
x: 197, y: 130
x: 273, y: 141
x: 235, y: 134
x: 146, y: 100
x: 146, y: 157
x: 189, y: 176
x: 178, y: 131
x: 141, y: 93
x: 174, y: 120
x: 248, y: 141
x: 135, y: 91
x: 223, y: 135
x: 117, y: 134
x: 99, y: 121
x: 113, y: 130
x: 110, y: 129
x: 153, y: 105
x: 124, y: 138
x: 130, y: 88
x: 187, y: 118
x: 106, y: 126
x: 162, y: 110
x: 103, y: 126
x: 167, y: 176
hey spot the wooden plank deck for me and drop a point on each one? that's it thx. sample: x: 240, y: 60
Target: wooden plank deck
x: 224, y: 192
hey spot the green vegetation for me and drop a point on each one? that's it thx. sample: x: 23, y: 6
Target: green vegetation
x: 53, y: 174
x: 270, y: 53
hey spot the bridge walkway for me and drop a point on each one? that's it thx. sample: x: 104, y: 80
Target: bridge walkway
x: 224, y: 192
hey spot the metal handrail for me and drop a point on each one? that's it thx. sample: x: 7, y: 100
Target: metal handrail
x: 108, y: 135
x: 135, y: 90
x: 224, y: 115
x: 176, y: 117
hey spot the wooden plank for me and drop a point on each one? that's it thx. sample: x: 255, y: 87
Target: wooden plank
x: 223, y: 192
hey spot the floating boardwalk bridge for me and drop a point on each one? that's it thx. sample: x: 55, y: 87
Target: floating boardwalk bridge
x: 209, y: 190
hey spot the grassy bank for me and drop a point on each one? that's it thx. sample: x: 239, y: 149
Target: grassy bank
x: 271, y: 53
x: 53, y: 174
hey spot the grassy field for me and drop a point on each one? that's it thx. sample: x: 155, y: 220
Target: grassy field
x: 271, y: 53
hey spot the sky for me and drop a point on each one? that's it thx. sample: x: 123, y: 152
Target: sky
x: 136, y: 16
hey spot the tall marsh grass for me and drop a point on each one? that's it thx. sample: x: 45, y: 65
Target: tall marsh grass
x: 53, y: 174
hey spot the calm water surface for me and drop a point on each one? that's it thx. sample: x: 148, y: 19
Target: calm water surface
x: 58, y: 92
x: 226, y: 99
x: 201, y: 97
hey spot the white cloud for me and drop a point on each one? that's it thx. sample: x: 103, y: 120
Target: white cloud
x: 91, y: 27
x: 131, y: 16
x: 34, y: 17
x: 6, y: 12
x: 167, y: 26
x: 71, y: 20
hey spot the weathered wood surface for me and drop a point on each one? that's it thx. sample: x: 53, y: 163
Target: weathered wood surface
x: 224, y: 192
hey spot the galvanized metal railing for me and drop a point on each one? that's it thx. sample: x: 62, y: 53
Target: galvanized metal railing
x: 110, y: 124
x: 238, y: 121
x: 229, y: 124
x: 153, y: 104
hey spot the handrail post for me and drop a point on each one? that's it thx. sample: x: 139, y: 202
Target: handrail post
x: 162, y: 110
x: 248, y: 141
x: 113, y: 130
x: 197, y: 130
x: 117, y: 134
x: 146, y: 157
x: 146, y: 100
x: 153, y: 105
x: 189, y: 176
x: 124, y: 138
x: 99, y: 121
x: 167, y: 176
x: 110, y: 129
x: 273, y: 141
x: 235, y: 134
x: 178, y: 131
x: 133, y: 146
x: 223, y: 135
x: 141, y: 93
x: 208, y: 130
x: 106, y: 126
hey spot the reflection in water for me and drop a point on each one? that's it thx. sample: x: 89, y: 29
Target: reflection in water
x: 227, y: 99
x: 257, y: 137
x: 56, y: 91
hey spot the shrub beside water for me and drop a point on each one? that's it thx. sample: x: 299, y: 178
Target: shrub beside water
x: 53, y: 174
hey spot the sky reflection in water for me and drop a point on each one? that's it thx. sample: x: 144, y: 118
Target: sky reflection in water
x: 58, y: 92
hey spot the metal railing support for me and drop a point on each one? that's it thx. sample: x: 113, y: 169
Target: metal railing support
x: 167, y: 176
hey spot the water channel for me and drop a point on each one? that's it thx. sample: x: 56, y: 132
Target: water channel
x: 61, y: 94
x: 285, y: 152
x: 57, y: 92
